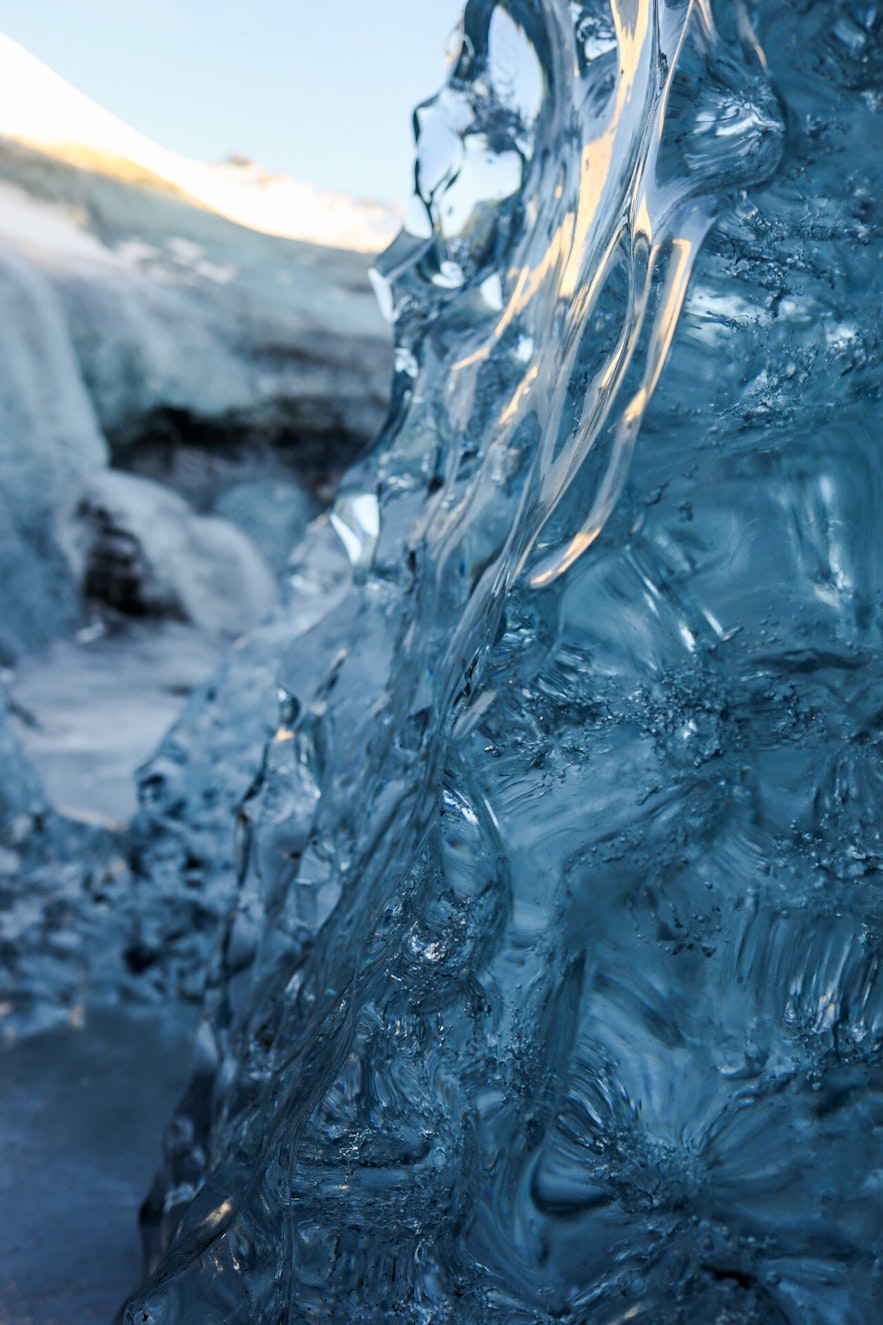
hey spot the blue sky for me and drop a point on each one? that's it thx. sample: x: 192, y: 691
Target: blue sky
x: 322, y: 89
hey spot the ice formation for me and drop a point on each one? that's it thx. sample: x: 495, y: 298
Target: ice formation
x: 553, y: 990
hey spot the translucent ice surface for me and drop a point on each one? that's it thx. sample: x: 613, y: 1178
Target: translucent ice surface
x: 554, y: 989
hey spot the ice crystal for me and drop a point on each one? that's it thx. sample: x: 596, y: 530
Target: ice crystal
x: 553, y: 990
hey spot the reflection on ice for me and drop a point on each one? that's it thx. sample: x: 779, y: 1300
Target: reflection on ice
x: 514, y: 70
x: 356, y: 519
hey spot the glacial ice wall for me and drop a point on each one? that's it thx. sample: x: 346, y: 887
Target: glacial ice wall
x: 553, y: 988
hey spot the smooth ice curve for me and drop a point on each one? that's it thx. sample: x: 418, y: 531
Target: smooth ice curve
x: 553, y: 988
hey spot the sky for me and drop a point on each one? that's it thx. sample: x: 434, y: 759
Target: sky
x: 320, y: 89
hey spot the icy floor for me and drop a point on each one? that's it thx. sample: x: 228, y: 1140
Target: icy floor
x: 82, y: 1106
x: 89, y: 711
x: 81, y: 1113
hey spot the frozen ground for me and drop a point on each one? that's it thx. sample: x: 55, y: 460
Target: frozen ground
x: 89, y: 711
x: 83, y: 1105
x: 81, y: 1113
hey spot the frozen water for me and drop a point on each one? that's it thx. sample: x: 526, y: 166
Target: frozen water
x: 77, y: 1149
x: 553, y: 989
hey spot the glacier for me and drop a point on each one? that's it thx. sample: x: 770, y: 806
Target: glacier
x: 149, y: 334
x: 552, y: 989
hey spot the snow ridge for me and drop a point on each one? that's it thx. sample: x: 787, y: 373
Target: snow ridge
x: 42, y: 110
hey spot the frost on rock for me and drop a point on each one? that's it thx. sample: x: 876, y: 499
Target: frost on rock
x: 553, y: 988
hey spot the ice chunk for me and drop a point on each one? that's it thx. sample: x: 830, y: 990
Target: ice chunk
x: 553, y: 987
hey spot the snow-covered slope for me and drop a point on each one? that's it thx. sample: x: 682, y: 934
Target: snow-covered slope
x: 42, y: 110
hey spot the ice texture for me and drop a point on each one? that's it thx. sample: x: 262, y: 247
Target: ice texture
x: 553, y: 990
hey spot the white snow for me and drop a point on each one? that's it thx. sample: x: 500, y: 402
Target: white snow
x: 41, y: 228
x: 200, y: 566
x: 40, y: 109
